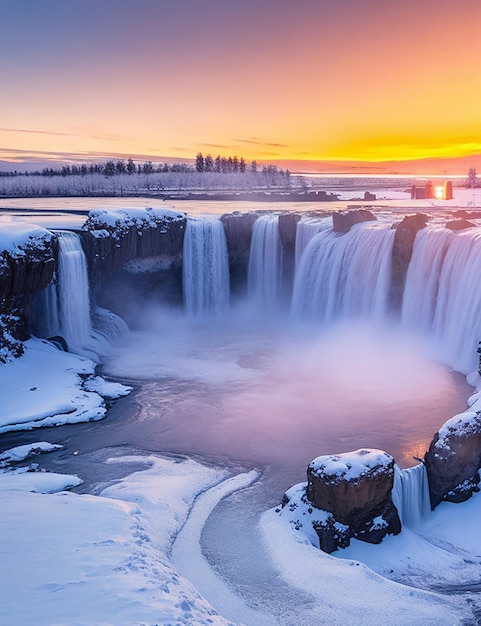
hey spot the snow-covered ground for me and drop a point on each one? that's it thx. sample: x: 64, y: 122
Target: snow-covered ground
x: 49, y: 387
x: 107, y: 559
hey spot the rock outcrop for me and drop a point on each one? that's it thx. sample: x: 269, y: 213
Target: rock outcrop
x: 349, y: 496
x: 27, y: 264
x: 460, y: 224
x: 454, y: 458
x: 402, y: 252
x: 342, y: 221
x: 238, y: 232
x: 113, y: 238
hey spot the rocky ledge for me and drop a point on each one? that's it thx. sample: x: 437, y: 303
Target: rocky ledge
x: 112, y: 238
x: 28, y: 256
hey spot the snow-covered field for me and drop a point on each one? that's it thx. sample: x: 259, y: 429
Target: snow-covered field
x: 114, y: 559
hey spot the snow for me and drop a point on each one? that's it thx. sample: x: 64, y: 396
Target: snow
x: 37, y: 482
x: 20, y: 453
x: 463, y: 423
x: 16, y: 234
x: 189, y: 560
x: 82, y: 559
x: 100, y: 220
x: 346, y: 591
x: 350, y: 466
x: 105, y: 388
x: 46, y: 387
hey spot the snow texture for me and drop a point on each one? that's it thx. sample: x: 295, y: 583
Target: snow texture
x: 350, y: 466
x: 82, y: 559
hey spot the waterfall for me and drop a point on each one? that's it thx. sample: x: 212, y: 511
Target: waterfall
x: 457, y: 317
x: 410, y: 494
x: 441, y: 295
x: 422, y: 280
x: 305, y: 231
x: 265, y: 263
x: 345, y: 275
x: 63, y: 309
x: 205, y: 267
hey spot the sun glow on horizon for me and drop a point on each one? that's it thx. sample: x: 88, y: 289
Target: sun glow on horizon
x: 379, y: 85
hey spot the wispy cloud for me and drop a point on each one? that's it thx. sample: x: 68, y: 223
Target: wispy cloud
x: 255, y: 141
x: 35, y: 131
x: 18, y: 156
x: 214, y: 145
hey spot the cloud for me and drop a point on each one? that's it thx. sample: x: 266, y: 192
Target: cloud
x: 214, y: 145
x: 255, y: 141
x: 35, y: 131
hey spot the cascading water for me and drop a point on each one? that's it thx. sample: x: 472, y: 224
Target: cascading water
x: 205, y: 268
x: 441, y: 295
x: 265, y: 263
x: 410, y: 494
x: 345, y: 275
x: 305, y: 231
x: 63, y: 309
x: 422, y: 280
x: 65, y: 306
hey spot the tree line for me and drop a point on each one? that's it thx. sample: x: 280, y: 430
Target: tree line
x: 222, y: 165
x: 233, y: 165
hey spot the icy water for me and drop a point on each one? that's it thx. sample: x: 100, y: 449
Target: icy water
x: 272, y: 395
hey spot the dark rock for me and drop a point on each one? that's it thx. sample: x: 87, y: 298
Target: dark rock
x: 454, y: 458
x: 287, y: 231
x: 402, y: 252
x: 238, y: 232
x: 459, y: 224
x: 30, y: 269
x: 369, y: 196
x: 109, y: 248
x: 355, y: 488
x: 342, y: 221
x: 332, y: 535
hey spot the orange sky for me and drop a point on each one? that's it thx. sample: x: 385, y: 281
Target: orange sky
x: 353, y: 80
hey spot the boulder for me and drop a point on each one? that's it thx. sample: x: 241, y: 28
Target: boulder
x: 355, y: 488
x: 342, y: 221
x: 402, y: 252
x: 454, y: 459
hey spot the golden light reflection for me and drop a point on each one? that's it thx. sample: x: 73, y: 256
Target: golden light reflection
x: 413, y: 452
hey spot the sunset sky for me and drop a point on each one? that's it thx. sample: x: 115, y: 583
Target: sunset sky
x: 296, y: 80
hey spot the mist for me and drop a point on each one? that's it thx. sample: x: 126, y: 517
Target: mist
x: 279, y: 392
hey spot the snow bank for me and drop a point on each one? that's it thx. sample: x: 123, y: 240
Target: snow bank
x: 101, y: 560
x: 15, y: 234
x: 345, y: 591
x: 49, y: 387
